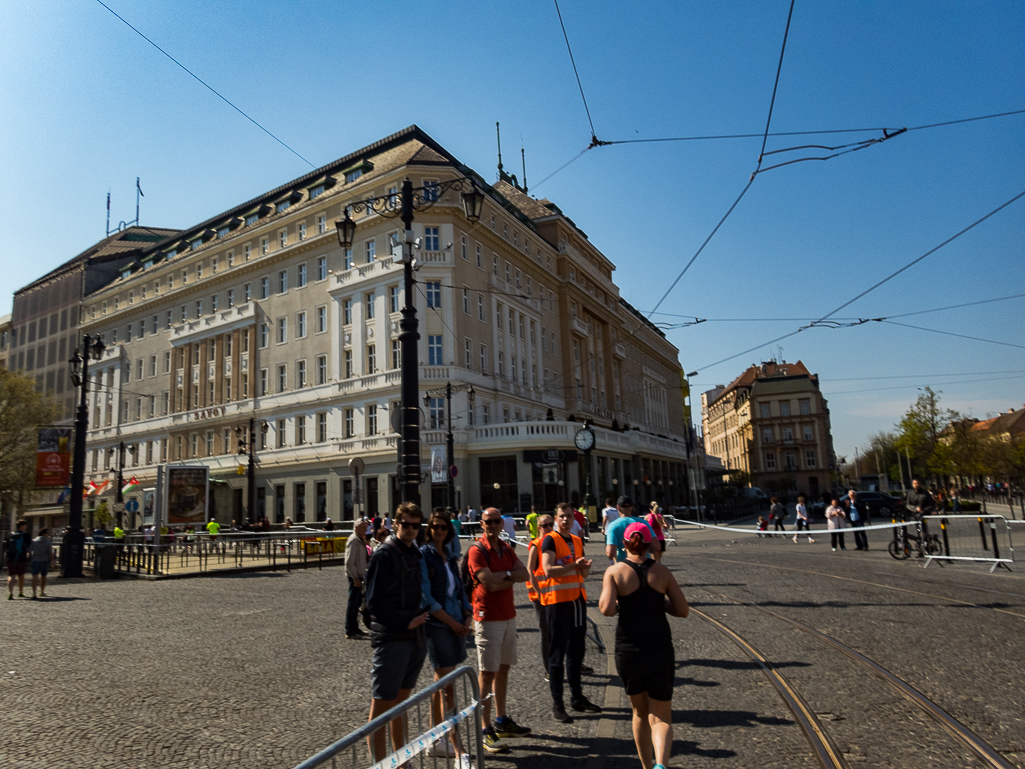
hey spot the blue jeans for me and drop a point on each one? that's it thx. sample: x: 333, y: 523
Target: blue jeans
x: 352, y: 610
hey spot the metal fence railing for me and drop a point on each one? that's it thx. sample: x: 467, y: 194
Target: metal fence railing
x: 461, y: 716
x: 978, y: 538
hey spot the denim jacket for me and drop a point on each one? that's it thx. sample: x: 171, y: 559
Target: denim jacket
x: 435, y: 585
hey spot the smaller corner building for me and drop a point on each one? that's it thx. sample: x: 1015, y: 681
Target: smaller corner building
x: 772, y: 422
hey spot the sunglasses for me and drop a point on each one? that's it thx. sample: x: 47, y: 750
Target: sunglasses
x: 547, y: 526
x: 493, y: 522
x: 415, y: 526
x: 439, y: 527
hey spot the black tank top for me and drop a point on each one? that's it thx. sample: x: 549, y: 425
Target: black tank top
x: 643, y: 626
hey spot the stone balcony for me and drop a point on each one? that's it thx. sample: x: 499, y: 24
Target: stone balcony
x: 218, y: 322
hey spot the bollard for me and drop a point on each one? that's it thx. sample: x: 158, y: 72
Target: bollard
x: 993, y: 532
x: 982, y: 533
x: 946, y: 541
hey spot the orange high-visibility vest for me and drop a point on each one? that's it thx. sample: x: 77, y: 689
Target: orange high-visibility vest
x: 569, y: 587
x: 539, y: 572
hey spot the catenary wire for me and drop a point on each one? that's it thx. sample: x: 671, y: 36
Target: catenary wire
x: 909, y: 386
x: 205, y: 84
x: 951, y: 333
x: 594, y: 139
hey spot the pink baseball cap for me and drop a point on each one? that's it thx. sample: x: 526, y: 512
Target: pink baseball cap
x: 638, y: 528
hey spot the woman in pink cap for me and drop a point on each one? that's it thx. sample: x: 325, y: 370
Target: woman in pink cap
x: 637, y: 589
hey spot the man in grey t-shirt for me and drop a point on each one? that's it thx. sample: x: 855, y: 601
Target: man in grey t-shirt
x: 40, y: 560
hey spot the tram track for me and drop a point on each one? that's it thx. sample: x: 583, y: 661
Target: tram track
x: 822, y: 744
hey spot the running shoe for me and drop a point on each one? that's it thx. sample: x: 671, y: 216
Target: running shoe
x: 795, y: 539
x: 559, y: 714
x: 491, y: 742
x: 584, y: 705
x: 505, y: 728
x: 442, y: 749
x: 464, y: 762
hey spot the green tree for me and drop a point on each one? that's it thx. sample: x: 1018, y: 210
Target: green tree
x: 919, y: 432
x: 22, y: 411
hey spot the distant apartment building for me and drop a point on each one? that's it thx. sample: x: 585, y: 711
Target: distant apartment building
x: 259, y: 313
x: 772, y: 422
x: 5, y: 339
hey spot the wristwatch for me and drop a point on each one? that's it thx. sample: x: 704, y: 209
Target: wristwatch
x: 508, y: 574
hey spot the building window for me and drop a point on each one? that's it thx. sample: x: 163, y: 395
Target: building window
x: 805, y: 407
x: 767, y: 435
x: 264, y: 287
x: 437, y: 413
x: 432, y: 241
x: 370, y: 306
x: 808, y: 433
x: 264, y: 246
x: 282, y: 281
x: 434, y: 351
x: 770, y: 460
x: 300, y: 373
x: 282, y: 330
x: 231, y: 298
x: 264, y: 336
x: 321, y: 319
x: 300, y: 276
x: 480, y: 257
x: 371, y: 359
x: 434, y: 294
x: 348, y: 423
x: 282, y: 377
x: 213, y: 303
x: 791, y: 461
x: 322, y: 268
x: 430, y: 190
x: 463, y: 250
x: 321, y: 224
x: 302, y: 230
x: 396, y: 354
x: 347, y: 312
x: 300, y: 322
x: 372, y: 419
x: 247, y: 292
x: 788, y: 435
x: 809, y: 458
x: 468, y: 354
x: 347, y: 259
x: 280, y: 433
x: 485, y: 414
x: 371, y: 247
x: 480, y: 306
x: 784, y: 408
x: 483, y: 359
x: 263, y: 381
x: 393, y: 293
x: 321, y: 427
x: 321, y: 369
x: 347, y: 365
x: 283, y: 238
x: 264, y: 431
x: 300, y: 430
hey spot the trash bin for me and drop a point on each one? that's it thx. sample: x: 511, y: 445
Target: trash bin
x: 106, y: 556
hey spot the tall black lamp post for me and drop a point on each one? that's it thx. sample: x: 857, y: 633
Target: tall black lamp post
x: 450, y: 458
x: 410, y: 199
x: 248, y: 446
x: 119, y: 495
x: 74, y: 541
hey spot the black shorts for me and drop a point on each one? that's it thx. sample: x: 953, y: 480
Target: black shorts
x: 647, y: 673
x: 662, y: 545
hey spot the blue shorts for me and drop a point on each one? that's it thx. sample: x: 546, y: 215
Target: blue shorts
x: 396, y: 666
x: 40, y: 568
x: 445, y: 648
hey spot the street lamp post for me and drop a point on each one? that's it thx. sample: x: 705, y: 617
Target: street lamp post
x: 249, y: 447
x: 119, y: 495
x: 410, y: 199
x: 74, y: 541
x: 450, y: 458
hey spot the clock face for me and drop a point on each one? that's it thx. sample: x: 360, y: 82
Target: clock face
x: 584, y: 440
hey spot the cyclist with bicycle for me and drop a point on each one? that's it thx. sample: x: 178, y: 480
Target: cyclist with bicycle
x: 921, y: 504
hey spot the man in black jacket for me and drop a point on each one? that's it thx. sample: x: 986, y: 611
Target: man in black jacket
x: 857, y: 515
x: 395, y: 603
x: 921, y: 504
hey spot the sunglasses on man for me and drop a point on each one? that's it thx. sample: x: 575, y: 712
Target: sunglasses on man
x: 492, y: 521
x: 414, y: 525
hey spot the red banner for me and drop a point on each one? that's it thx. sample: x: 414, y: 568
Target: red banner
x: 53, y: 456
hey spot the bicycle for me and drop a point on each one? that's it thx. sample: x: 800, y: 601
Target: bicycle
x: 901, y: 547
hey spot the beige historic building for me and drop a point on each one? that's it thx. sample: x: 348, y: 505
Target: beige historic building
x: 258, y: 313
x: 772, y: 422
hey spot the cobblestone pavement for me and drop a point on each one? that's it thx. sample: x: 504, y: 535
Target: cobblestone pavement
x: 253, y: 670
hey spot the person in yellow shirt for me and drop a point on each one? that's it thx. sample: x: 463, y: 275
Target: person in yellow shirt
x: 213, y: 529
x: 119, y: 533
x: 531, y: 520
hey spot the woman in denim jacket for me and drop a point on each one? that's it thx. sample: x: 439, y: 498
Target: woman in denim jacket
x: 450, y: 622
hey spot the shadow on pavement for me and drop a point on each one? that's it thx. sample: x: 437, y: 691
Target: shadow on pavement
x: 706, y: 719
x: 58, y: 598
x: 738, y: 664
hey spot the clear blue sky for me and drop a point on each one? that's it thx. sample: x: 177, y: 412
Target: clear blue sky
x: 86, y: 105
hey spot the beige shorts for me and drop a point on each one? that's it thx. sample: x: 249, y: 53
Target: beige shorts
x: 496, y: 644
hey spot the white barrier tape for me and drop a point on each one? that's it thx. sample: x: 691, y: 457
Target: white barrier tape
x: 873, y: 527
x: 422, y: 743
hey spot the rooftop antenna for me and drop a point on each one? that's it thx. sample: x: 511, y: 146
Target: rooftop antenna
x: 498, y: 133
x: 523, y: 157
x: 123, y: 225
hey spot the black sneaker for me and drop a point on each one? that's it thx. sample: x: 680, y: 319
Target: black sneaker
x: 505, y: 728
x: 586, y: 669
x: 584, y: 705
x: 559, y: 714
x: 356, y: 634
x: 492, y: 744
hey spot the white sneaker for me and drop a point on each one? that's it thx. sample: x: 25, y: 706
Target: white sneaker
x: 464, y: 762
x: 811, y: 541
x: 442, y: 749
x: 795, y: 539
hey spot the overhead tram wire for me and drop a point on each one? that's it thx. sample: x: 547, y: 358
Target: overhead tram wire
x: 205, y: 84
x: 751, y: 179
x: 820, y: 322
x: 594, y: 138
x: 951, y: 333
x: 909, y: 386
x: 927, y: 376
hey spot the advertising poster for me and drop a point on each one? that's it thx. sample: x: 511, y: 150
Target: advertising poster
x: 438, y: 469
x: 53, y: 456
x: 149, y: 500
x: 187, y: 495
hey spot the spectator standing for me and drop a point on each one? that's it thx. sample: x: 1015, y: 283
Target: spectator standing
x: 545, y: 524
x: 357, y: 557
x: 212, y: 527
x: 856, y: 514
x: 509, y: 526
x: 837, y: 521
x: 580, y: 516
x: 455, y: 547
x: 41, y: 561
x: 450, y: 622
x: 329, y: 525
x: 531, y: 522
x: 18, y: 558
x: 495, y: 568
x: 778, y: 513
x: 642, y: 591
x: 614, y: 533
x: 657, y: 524
x: 565, y: 600
x: 397, y: 636
x: 609, y: 514
x: 955, y: 501
x: 801, y: 521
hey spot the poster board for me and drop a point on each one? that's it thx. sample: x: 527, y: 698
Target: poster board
x: 188, y: 495
x: 53, y: 456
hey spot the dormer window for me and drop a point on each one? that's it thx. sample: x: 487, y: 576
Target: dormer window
x: 252, y: 219
x: 316, y: 191
x: 195, y: 244
x: 172, y: 253
x: 282, y: 205
x: 224, y: 231
x: 353, y: 175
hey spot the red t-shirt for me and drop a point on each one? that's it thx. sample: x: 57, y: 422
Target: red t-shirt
x: 499, y: 605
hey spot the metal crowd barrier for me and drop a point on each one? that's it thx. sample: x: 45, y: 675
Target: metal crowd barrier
x: 464, y: 718
x: 976, y: 538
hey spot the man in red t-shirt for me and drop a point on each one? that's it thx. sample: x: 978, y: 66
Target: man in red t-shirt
x: 495, y: 568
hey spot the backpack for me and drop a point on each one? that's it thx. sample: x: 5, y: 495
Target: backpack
x: 470, y: 580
